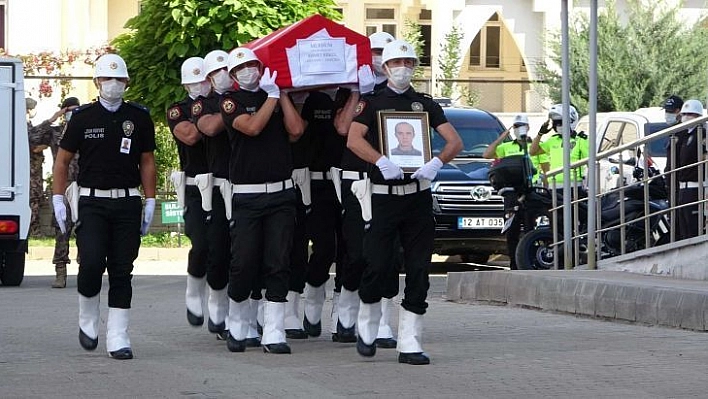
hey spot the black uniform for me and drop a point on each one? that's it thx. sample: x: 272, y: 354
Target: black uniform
x: 217, y: 158
x: 300, y: 249
x: 263, y: 214
x: 108, y: 231
x: 687, y: 148
x: 409, y: 215
x: 192, y: 160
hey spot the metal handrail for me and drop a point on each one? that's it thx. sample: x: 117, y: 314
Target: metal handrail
x: 577, y: 235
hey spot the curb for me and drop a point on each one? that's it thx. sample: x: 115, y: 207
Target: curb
x: 145, y: 254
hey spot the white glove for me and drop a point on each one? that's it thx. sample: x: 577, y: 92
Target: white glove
x: 366, y: 79
x: 59, y: 211
x: 389, y: 170
x: 429, y: 170
x: 147, y: 219
x: 268, y: 85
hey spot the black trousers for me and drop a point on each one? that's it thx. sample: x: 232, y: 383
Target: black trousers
x: 219, y: 239
x: 524, y: 220
x: 300, y: 249
x: 108, y: 238
x: 261, y: 239
x: 687, y: 216
x: 196, y: 230
x: 411, y: 217
x: 321, y: 225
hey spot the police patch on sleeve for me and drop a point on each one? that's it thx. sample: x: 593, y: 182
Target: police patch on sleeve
x: 174, y: 113
x: 197, y: 108
x: 359, y: 108
x: 228, y: 106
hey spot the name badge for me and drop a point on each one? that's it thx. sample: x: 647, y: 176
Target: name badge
x: 125, y: 146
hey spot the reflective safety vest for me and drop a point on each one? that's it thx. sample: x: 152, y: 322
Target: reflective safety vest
x: 553, y: 147
x: 509, y: 148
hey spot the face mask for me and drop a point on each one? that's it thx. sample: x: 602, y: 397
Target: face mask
x: 32, y: 113
x: 670, y: 118
x: 198, y: 89
x: 400, y: 77
x: 378, y: 65
x: 248, y: 77
x: 222, y: 81
x: 686, y: 118
x: 112, y: 90
x: 522, y: 131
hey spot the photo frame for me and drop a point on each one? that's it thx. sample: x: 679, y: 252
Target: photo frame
x: 404, y: 137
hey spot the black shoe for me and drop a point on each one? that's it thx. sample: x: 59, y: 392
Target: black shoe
x: 313, y: 330
x: 364, y: 349
x: 416, y: 358
x: 295, y: 333
x: 281, y: 348
x: 235, y: 345
x: 194, y: 320
x: 222, y: 335
x: 216, y: 328
x: 335, y: 337
x: 253, y: 342
x: 122, y: 354
x: 346, y: 335
x: 385, y: 343
x: 87, y: 342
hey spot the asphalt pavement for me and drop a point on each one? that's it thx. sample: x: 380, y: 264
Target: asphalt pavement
x: 477, y: 351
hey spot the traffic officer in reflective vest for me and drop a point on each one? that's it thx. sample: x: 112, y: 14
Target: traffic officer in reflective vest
x: 399, y: 203
x: 501, y: 148
x: 205, y: 113
x: 261, y: 124
x: 192, y: 159
x: 116, y: 140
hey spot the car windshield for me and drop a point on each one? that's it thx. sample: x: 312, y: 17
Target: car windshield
x: 657, y: 148
x: 476, y: 133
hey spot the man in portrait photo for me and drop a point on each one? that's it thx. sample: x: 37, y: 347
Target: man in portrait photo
x: 405, y: 133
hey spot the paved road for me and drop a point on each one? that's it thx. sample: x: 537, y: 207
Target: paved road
x: 478, y: 351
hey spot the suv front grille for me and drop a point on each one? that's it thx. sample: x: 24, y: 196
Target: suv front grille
x: 451, y: 198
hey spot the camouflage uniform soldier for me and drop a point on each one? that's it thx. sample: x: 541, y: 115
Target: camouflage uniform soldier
x: 61, y: 240
x: 39, y: 140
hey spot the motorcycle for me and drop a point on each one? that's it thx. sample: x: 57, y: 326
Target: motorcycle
x: 535, y: 249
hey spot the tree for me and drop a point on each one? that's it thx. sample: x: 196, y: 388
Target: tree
x: 450, y: 59
x: 639, y: 63
x: 413, y: 35
x: 165, y: 33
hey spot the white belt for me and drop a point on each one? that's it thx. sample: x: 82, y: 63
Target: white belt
x: 404, y: 189
x: 353, y: 175
x: 689, y: 184
x: 263, y: 187
x: 189, y: 181
x: 320, y: 175
x: 109, y: 193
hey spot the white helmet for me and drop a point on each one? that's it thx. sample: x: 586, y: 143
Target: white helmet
x: 240, y: 55
x: 193, y: 70
x: 380, y: 39
x: 398, y: 49
x: 521, y: 120
x: 556, y: 114
x: 692, y: 107
x: 214, y: 60
x: 110, y: 66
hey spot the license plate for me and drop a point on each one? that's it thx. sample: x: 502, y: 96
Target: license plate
x: 479, y: 223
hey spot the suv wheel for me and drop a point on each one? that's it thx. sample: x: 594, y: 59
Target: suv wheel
x: 12, y: 269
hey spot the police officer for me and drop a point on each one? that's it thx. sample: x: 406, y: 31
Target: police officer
x: 38, y: 141
x: 61, y: 238
x: 687, y: 149
x: 261, y: 124
x: 205, y: 111
x: 116, y: 140
x: 553, y: 148
x: 192, y: 159
x: 400, y: 203
x: 377, y: 42
x: 672, y: 114
x: 502, y: 148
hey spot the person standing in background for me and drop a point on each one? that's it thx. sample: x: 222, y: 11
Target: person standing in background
x: 38, y: 143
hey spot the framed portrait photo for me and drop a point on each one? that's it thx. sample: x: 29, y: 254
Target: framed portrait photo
x: 404, y: 137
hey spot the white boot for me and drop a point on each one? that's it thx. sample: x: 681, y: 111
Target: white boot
x: 237, y: 323
x: 368, y: 327
x: 334, y: 314
x: 259, y: 314
x: 314, y: 300
x: 348, y: 312
x: 218, y: 309
x: 293, y: 326
x: 194, y: 298
x: 117, y: 340
x: 410, y: 338
x: 88, y: 321
x: 253, y: 338
x: 274, y: 328
x: 384, y: 339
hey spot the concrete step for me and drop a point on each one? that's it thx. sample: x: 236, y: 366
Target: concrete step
x: 145, y: 253
x: 616, y: 295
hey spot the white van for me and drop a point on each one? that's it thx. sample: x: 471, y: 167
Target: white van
x: 14, y: 173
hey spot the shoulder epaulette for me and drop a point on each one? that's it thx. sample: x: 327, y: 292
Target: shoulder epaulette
x: 81, y: 108
x: 425, y: 95
x: 138, y: 106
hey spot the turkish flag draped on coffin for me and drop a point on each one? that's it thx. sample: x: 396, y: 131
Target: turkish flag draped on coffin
x: 313, y: 52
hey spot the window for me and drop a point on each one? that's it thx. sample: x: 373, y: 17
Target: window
x: 485, y: 50
x: 425, y: 30
x: 380, y: 20
x: 2, y: 26
x: 612, y: 134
